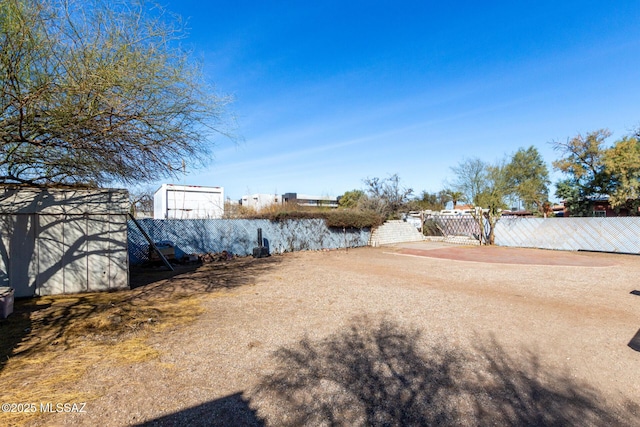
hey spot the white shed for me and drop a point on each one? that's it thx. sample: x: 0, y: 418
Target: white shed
x: 188, y: 202
x: 55, y: 241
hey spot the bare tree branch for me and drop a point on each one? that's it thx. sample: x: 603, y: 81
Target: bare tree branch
x: 96, y: 92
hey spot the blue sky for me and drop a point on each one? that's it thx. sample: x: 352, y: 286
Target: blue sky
x: 328, y: 93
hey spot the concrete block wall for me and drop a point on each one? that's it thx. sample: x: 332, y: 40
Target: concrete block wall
x: 395, y: 231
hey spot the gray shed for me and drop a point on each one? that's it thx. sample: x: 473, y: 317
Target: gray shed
x: 55, y: 241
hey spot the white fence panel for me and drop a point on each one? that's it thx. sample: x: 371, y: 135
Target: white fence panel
x: 621, y: 234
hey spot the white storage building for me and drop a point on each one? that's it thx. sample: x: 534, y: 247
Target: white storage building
x: 188, y: 202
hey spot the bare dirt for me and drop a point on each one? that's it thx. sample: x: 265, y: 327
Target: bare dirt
x: 416, y: 334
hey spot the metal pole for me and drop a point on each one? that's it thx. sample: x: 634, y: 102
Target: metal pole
x: 153, y: 245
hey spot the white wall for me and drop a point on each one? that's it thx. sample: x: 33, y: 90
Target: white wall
x: 616, y: 234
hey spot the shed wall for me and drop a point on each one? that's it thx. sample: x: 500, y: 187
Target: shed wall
x: 63, y: 241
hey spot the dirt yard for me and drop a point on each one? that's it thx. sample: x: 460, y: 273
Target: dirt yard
x: 416, y: 334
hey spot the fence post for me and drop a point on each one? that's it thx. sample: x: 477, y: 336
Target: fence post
x: 153, y: 245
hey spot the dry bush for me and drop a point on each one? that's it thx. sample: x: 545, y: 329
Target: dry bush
x: 334, y: 218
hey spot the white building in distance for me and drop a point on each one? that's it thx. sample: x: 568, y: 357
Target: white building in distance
x: 260, y: 201
x: 307, y: 200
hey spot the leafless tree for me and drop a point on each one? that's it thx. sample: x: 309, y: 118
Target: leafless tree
x: 386, y: 196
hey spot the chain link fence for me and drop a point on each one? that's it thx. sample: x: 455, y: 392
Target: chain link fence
x: 239, y: 236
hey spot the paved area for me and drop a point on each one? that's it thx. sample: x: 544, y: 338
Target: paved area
x: 503, y: 255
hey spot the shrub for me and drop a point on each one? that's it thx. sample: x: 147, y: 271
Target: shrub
x: 431, y: 228
x: 334, y: 218
x: 353, y: 219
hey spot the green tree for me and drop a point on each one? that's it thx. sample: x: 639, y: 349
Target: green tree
x: 567, y: 190
x: 351, y: 199
x: 453, y: 196
x: 431, y: 201
x: 622, y: 166
x: 528, y: 179
x: 487, y: 185
x: 582, y: 162
x: 491, y: 198
x: 93, y: 92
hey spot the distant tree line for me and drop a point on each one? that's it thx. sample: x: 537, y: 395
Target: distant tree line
x: 593, y: 171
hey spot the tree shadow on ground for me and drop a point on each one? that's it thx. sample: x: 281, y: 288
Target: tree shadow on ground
x: 378, y: 374
x: 635, y: 341
x: 62, y: 321
x: 142, y: 275
x: 204, y: 278
x: 229, y: 411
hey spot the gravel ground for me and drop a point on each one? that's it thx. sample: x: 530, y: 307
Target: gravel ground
x: 374, y: 337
